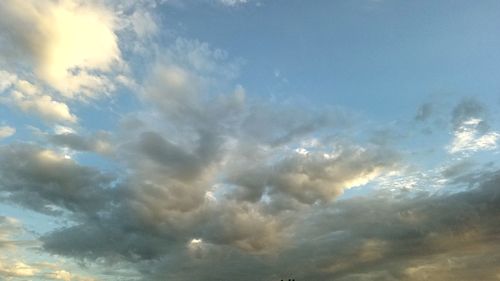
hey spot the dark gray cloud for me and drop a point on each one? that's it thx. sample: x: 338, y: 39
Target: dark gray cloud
x: 167, y: 228
x: 230, y: 197
x: 378, y: 236
x: 216, y: 208
x: 40, y: 179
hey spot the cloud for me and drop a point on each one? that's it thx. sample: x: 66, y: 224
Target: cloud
x: 316, y: 176
x: 9, y: 227
x: 6, y: 131
x: 40, y: 179
x: 212, y: 184
x: 71, y: 45
x: 468, y: 138
x: 17, y: 269
x: 13, y: 263
x: 143, y: 24
x: 203, y: 163
x: 424, y: 112
x: 383, y: 236
x: 373, y: 237
x: 98, y: 142
x: 7, y: 79
x: 467, y: 109
x: 280, y: 213
x: 232, y: 2
x: 29, y: 99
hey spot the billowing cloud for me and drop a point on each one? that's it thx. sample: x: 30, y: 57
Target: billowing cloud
x: 202, y: 180
x: 69, y: 43
x: 471, y: 129
x: 29, y: 99
x: 314, y: 176
x: 468, y: 137
x: 45, y: 181
x: 7, y: 79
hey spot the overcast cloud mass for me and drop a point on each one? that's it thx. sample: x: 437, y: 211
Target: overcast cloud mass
x: 249, y: 140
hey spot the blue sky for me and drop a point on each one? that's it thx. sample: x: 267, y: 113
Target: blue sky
x: 249, y: 140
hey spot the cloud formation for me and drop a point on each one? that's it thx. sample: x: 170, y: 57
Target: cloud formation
x: 471, y: 131
x: 211, y: 198
x: 45, y: 181
x: 30, y: 99
x: 195, y: 177
x: 6, y: 131
x: 68, y: 43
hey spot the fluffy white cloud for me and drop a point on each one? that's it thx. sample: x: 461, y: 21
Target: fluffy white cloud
x: 6, y: 131
x: 467, y: 138
x: 6, y: 80
x: 70, y: 43
x: 29, y: 99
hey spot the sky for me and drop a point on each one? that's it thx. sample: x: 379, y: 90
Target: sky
x: 252, y: 140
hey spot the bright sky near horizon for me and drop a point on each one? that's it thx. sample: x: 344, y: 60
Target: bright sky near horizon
x: 182, y: 140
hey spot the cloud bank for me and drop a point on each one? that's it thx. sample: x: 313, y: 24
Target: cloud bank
x: 201, y: 179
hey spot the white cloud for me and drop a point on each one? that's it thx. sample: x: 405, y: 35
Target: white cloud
x: 17, y: 269
x: 468, y: 139
x: 143, y: 23
x: 6, y: 80
x: 61, y: 275
x: 68, y: 42
x: 6, y: 131
x: 29, y: 99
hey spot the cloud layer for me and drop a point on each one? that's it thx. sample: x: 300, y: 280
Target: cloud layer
x: 151, y: 161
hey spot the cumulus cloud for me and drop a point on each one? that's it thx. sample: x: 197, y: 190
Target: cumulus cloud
x: 212, y: 184
x: 312, y: 177
x: 69, y: 43
x: 6, y: 131
x: 467, y: 109
x: 375, y: 236
x: 275, y: 218
x: 41, y: 179
x: 7, y: 79
x: 468, y: 138
x: 208, y: 173
x: 472, y: 131
x: 28, y: 98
